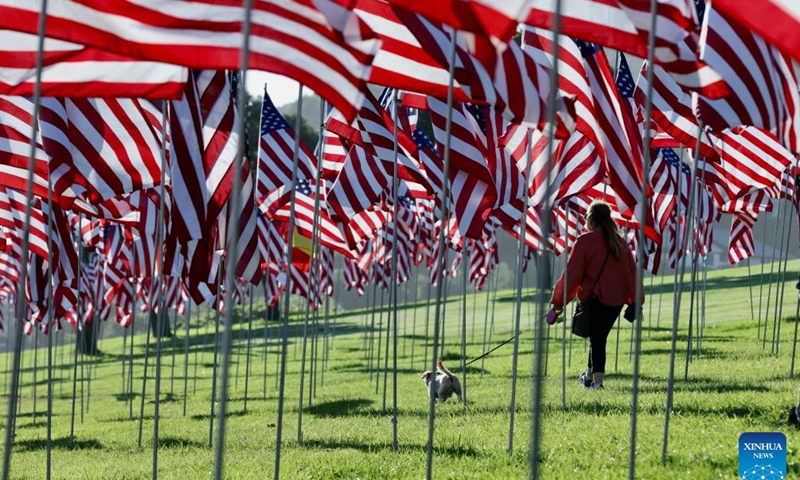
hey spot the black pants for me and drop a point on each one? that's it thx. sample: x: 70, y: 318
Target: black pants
x: 601, y: 322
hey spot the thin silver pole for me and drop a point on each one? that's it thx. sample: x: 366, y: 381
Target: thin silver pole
x: 680, y: 270
x: 313, y: 287
x: 21, y: 306
x: 464, y: 330
x: 523, y: 227
x: 219, y: 300
x: 761, y: 277
x: 78, y: 338
x: 543, y: 268
x: 445, y: 204
x: 485, y: 321
x: 249, y: 342
x: 640, y: 251
x: 564, y: 321
x: 287, y: 286
x: 232, y: 244
x: 159, y: 279
x: 394, y: 279
x: 771, y: 273
x: 186, y: 355
x: 51, y: 331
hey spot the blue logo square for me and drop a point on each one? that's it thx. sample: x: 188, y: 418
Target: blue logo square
x: 762, y: 456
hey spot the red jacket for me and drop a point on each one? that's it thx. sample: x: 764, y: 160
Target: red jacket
x: 617, y: 284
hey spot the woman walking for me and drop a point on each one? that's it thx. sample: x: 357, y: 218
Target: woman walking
x: 602, y: 271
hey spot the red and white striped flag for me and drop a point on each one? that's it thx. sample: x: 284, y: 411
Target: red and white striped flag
x: 336, y: 64
x: 74, y: 70
x: 778, y: 21
x: 625, y: 25
x: 762, y: 79
x: 16, y: 118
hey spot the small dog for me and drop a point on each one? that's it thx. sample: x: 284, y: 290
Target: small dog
x: 445, y: 384
x: 794, y: 413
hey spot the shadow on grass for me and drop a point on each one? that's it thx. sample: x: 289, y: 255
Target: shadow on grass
x: 341, y: 408
x: 60, y: 443
x: 207, y: 416
x: 175, y: 442
x: 457, y: 451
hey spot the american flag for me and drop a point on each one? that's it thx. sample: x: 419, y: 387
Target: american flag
x: 204, y: 148
x: 497, y: 20
x: 401, y: 61
x: 625, y: 25
x: 359, y: 185
x: 328, y: 233
x: 74, y: 70
x: 672, y: 111
x: 778, y: 21
x: 762, y: 80
x: 741, y: 244
x: 16, y: 117
x: 101, y: 147
x: 275, y: 154
x: 618, y: 131
x: 336, y: 64
x: 511, y: 81
x: 742, y: 169
x: 472, y: 186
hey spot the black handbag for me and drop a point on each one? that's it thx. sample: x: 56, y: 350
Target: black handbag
x: 581, y: 318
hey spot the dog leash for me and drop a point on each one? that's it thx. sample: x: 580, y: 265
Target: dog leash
x: 495, y: 348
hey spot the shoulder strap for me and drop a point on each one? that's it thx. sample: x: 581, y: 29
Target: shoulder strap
x: 602, y: 267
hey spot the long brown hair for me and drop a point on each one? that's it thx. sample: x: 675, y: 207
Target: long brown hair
x: 600, y: 216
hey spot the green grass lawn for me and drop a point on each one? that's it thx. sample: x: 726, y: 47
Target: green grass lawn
x: 734, y: 386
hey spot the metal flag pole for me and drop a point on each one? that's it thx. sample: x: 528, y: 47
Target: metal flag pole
x: 249, y: 343
x: 186, y: 355
x: 78, y: 338
x: 680, y: 270
x: 761, y: 276
x: 51, y: 331
x: 133, y: 335
x: 158, y: 279
x: 414, y: 319
x: 750, y: 287
x: 266, y: 340
x: 523, y: 228
x: 218, y: 300
x: 564, y: 320
x: 313, y: 291
x: 463, y: 330
x: 487, y: 282
x: 287, y: 286
x: 21, y: 306
x: 771, y: 273
x: 779, y: 305
x: 641, y: 242
x: 370, y: 351
x: 394, y: 276
x: 543, y: 267
x: 445, y: 203
x: 232, y: 243
x: 491, y: 324
x: 173, y: 348
x: 380, y: 344
x: 386, y: 357
x: 427, y: 321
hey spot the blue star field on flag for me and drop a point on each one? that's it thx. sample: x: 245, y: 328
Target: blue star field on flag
x: 304, y: 187
x: 422, y: 140
x: 673, y: 160
x: 587, y: 48
x: 271, y: 119
x: 624, y: 81
x: 478, y: 113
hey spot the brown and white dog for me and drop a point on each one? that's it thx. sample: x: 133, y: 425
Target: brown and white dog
x: 444, y: 385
